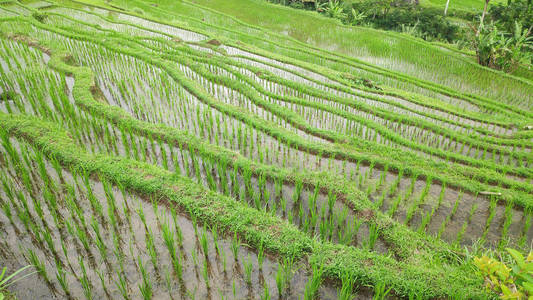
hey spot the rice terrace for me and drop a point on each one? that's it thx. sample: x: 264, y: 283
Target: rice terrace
x: 254, y: 149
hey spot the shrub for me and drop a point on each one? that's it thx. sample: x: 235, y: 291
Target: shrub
x: 506, y: 15
x: 138, y: 11
x: 502, y: 51
x: 511, y: 282
x: 426, y: 23
x: 39, y: 16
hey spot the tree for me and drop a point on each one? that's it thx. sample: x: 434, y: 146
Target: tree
x: 483, y: 15
x: 446, y: 7
x: 501, y: 50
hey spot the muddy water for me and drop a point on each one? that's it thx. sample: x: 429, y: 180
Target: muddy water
x: 230, y: 281
x: 447, y: 223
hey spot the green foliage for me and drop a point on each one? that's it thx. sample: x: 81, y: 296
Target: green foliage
x: 508, y: 13
x: 510, y: 281
x: 335, y: 10
x: 39, y: 16
x: 357, y: 17
x: 500, y: 50
x: 426, y: 23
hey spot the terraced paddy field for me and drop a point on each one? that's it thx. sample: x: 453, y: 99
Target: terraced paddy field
x: 182, y: 157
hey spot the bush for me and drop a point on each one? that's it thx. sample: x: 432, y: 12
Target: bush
x: 39, y: 16
x: 500, y: 50
x: 429, y: 23
x: 511, y: 282
x: 507, y: 14
x: 138, y: 11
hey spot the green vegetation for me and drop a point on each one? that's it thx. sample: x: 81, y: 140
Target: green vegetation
x: 158, y: 149
x: 511, y: 282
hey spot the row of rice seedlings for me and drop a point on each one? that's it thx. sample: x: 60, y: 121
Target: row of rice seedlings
x: 118, y: 238
x: 405, y: 107
x: 507, y: 223
x: 326, y: 123
x: 18, y: 56
x: 190, y: 167
x: 197, y: 109
x: 103, y: 23
x: 432, y: 215
x: 6, y: 12
x: 329, y: 121
x: 19, y: 9
x: 494, y: 156
x: 525, y: 229
x: 346, y: 66
x: 237, y: 97
x: 175, y: 31
x: 51, y: 104
x: 38, y: 4
x: 268, y: 41
x: 324, y: 61
x: 416, y: 204
x: 110, y: 77
x: 490, y: 217
x: 40, y: 92
x: 429, y: 215
x: 252, y: 74
x: 461, y: 232
x: 315, y: 116
x: 451, y: 215
x: 63, y: 22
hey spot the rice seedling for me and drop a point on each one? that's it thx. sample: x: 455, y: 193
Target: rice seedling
x: 150, y: 248
x: 204, y: 243
x: 346, y: 290
x: 313, y: 285
x: 248, y: 268
x: 381, y: 291
x: 146, y: 286
x: 122, y: 285
x: 36, y: 262
x: 85, y: 281
x: 235, y: 246
x: 61, y: 278
x: 373, y: 235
